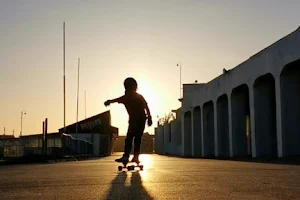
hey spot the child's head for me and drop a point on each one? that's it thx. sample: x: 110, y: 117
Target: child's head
x: 130, y: 84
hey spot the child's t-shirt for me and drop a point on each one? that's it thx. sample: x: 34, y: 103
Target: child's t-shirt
x: 135, y: 105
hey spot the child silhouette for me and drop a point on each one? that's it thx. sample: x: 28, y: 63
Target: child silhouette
x: 135, y: 105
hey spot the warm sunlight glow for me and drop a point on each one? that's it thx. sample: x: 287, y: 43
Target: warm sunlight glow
x: 149, y: 94
x: 144, y: 175
x: 145, y: 160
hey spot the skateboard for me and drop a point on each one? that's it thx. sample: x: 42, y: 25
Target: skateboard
x: 130, y: 167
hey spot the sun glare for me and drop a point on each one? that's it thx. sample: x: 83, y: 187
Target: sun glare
x: 145, y: 160
x: 149, y: 94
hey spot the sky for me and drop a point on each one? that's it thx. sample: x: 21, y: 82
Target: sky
x: 119, y: 39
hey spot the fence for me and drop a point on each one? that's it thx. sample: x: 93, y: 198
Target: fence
x: 76, y: 147
x: 10, y: 148
x: 33, y: 145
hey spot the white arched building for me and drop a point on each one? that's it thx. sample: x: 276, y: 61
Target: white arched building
x: 250, y: 110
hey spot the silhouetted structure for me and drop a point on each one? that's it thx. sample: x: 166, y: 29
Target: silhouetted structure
x: 251, y: 110
x: 168, y: 135
x: 95, y: 137
x: 96, y: 130
x: 33, y: 144
x: 146, y: 147
x: 9, y: 146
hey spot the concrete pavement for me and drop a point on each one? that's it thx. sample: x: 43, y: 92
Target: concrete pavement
x: 162, y: 178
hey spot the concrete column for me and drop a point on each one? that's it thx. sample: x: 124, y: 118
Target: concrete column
x: 192, y: 128
x: 182, y: 133
x: 202, y: 141
x: 230, y: 125
x: 179, y: 136
x: 160, y: 140
x: 155, y: 140
x: 173, y: 137
x: 166, y: 137
x: 216, y: 128
x: 278, y: 116
x: 252, y: 119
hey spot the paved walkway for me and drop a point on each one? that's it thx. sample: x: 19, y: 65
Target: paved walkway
x: 163, y: 178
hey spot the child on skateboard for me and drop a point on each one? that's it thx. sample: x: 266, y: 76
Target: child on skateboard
x: 135, y: 105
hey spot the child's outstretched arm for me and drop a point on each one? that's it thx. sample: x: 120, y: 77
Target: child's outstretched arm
x: 118, y: 100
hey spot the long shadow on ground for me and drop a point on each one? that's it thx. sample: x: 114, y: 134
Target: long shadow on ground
x: 121, y: 188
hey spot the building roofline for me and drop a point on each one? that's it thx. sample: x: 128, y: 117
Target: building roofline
x: 258, y: 53
x: 94, y: 116
x: 247, y: 60
x: 38, y: 134
x: 193, y: 83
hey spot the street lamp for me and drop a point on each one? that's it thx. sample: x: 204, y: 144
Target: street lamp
x: 23, y: 112
x: 179, y: 65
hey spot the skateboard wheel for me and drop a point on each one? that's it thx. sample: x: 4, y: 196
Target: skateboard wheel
x: 141, y: 167
x: 120, y: 168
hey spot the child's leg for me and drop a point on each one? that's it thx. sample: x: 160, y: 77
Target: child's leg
x: 137, y: 145
x: 128, y: 145
x: 139, y: 131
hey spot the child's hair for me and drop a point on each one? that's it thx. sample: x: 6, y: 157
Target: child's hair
x: 130, y: 84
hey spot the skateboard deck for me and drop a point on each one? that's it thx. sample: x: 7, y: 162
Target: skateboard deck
x: 130, y: 167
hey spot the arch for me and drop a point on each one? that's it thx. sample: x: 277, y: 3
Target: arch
x: 290, y: 108
x: 241, y: 133
x: 223, y: 126
x: 208, y: 129
x: 265, y: 116
x: 187, y: 146
x: 197, y: 131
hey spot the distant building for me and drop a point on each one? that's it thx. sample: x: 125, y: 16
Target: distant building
x: 251, y: 110
x: 168, y: 135
x: 93, y: 136
x: 9, y: 146
x: 96, y: 130
x: 33, y: 144
x: 147, y: 145
x: 6, y: 137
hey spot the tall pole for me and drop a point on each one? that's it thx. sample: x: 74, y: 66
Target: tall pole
x: 21, y: 123
x: 64, y: 80
x: 85, y: 104
x: 77, y: 96
x: 43, y: 141
x: 22, y: 113
x: 46, y: 136
x: 4, y: 131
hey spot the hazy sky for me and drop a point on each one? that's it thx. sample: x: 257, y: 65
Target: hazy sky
x: 117, y: 39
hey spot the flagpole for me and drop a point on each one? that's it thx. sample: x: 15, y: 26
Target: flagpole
x: 64, y: 90
x: 85, y: 103
x: 64, y: 80
x: 77, y: 96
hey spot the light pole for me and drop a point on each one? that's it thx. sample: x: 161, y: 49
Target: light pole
x: 85, y: 103
x: 77, y: 97
x: 179, y: 64
x: 22, y: 113
x: 64, y: 77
